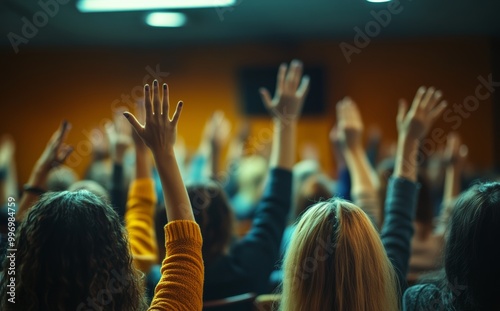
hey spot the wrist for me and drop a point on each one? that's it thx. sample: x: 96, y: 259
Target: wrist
x: 34, y: 189
x: 354, y: 150
x: 163, y: 154
x: 285, y: 122
x: 38, y: 177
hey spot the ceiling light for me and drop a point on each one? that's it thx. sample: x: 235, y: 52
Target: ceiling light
x: 378, y: 1
x: 166, y: 19
x: 135, y: 5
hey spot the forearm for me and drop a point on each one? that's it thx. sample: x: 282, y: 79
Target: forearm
x: 214, y: 161
x: 38, y: 180
x: 397, y: 231
x: 139, y: 221
x: 181, y: 284
x: 451, y: 191
x: 362, y: 174
x: 142, y: 164
x: 451, y: 183
x: 117, y: 190
x: 364, y: 191
x: 406, y: 158
x: 177, y: 201
x: 283, y: 149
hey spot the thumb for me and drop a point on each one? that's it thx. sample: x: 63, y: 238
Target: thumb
x: 266, y: 98
x: 133, y: 121
x: 403, y: 107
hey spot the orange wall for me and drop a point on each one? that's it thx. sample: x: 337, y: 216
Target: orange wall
x: 41, y: 87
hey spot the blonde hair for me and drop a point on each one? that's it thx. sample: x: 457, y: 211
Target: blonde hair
x: 336, y: 261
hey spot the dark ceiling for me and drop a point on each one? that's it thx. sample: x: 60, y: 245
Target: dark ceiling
x: 253, y: 21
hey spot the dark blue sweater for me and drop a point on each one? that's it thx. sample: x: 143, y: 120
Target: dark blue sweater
x: 397, y: 230
x: 250, y: 261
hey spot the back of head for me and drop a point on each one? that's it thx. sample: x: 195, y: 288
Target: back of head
x: 72, y: 253
x: 312, y: 190
x: 91, y: 186
x: 214, y: 216
x: 61, y: 178
x: 472, y: 255
x: 336, y: 261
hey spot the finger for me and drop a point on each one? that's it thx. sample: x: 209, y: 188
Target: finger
x: 61, y: 134
x: 291, y: 74
x: 418, y: 98
x: 280, y: 80
x: 266, y: 98
x: 297, y: 74
x: 438, y: 110
x: 147, y: 102
x: 304, y: 87
x: 133, y: 121
x: 64, y: 153
x: 427, y: 97
x: 165, y: 104
x: 156, y: 98
x: 403, y: 108
x: 177, y: 113
x: 435, y: 99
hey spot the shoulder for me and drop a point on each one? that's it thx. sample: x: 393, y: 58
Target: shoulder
x: 421, y: 297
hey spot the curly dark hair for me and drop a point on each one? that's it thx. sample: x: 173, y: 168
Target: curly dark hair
x: 72, y: 254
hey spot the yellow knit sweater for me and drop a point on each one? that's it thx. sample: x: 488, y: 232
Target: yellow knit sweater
x: 181, y: 284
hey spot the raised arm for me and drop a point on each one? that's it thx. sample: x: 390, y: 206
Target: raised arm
x: 455, y: 156
x: 181, y: 284
x: 218, y: 137
x: 119, y: 137
x: 55, y: 153
x: 365, y: 185
x: 401, y: 199
x: 141, y: 203
x: 285, y: 108
x: 258, y: 251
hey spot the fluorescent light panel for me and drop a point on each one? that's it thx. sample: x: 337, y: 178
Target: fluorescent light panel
x: 166, y: 19
x: 378, y: 1
x: 141, y: 5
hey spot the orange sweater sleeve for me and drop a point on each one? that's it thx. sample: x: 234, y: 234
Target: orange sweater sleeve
x: 181, y: 284
x: 139, y: 221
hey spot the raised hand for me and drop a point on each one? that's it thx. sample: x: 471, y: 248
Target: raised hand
x: 55, y: 153
x: 159, y: 131
x: 57, y: 150
x: 159, y: 134
x: 413, y: 125
x: 350, y: 126
x: 291, y: 91
x: 219, y: 130
x: 427, y: 106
